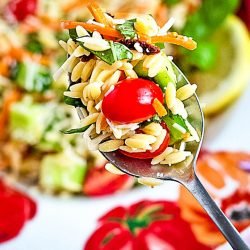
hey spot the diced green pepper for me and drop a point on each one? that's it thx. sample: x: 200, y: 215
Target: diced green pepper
x: 164, y: 76
x: 175, y: 134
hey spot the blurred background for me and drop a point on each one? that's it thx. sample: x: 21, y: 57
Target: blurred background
x: 54, y: 180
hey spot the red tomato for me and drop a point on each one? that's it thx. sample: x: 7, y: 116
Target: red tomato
x: 20, y: 9
x: 131, y: 101
x: 145, y: 225
x: 101, y: 182
x: 15, y: 209
x: 148, y: 154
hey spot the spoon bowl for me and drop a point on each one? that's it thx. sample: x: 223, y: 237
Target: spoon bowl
x: 183, y: 172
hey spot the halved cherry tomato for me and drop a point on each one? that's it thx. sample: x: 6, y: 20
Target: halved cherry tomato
x: 148, y: 154
x: 131, y: 101
x: 20, y: 9
x: 101, y: 182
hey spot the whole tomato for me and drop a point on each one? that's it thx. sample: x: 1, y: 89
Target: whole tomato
x: 145, y: 225
x: 101, y: 182
x: 15, y: 209
x: 226, y: 176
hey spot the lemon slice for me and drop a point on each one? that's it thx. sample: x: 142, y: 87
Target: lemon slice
x: 220, y: 86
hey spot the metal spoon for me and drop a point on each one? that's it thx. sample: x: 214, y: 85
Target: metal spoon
x: 184, y: 172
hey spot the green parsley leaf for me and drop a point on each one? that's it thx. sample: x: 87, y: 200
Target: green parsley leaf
x: 76, y: 102
x: 117, y: 51
x: 175, y: 134
x: 73, y: 34
x: 33, y: 44
x: 127, y: 29
x: 75, y: 130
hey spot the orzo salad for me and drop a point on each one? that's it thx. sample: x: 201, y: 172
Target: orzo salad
x: 126, y: 87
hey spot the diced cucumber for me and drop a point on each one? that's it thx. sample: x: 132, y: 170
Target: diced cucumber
x: 63, y: 171
x: 29, y: 120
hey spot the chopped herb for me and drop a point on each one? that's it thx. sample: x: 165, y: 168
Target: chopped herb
x: 127, y: 29
x: 113, y: 50
x: 33, y: 44
x: 117, y: 52
x: 175, y: 134
x: 179, y: 120
x: 73, y: 34
x: 76, y: 102
x: 75, y: 130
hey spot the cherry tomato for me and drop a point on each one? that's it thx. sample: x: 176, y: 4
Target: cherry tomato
x: 148, y: 154
x: 131, y: 101
x: 101, y: 182
x: 20, y: 9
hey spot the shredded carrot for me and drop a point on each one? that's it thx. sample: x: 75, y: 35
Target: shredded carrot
x: 4, y: 70
x: 174, y: 38
x: 159, y: 108
x: 98, y: 14
x: 5, y: 65
x: 13, y: 96
x: 20, y: 54
x: 106, y: 31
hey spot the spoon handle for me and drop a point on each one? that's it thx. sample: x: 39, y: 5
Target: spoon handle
x: 215, y: 213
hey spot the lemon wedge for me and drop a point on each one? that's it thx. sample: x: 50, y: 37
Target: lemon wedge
x: 219, y: 87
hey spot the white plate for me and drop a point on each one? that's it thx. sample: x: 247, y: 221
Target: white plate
x: 65, y: 224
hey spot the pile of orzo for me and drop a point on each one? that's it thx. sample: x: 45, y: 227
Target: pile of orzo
x: 126, y: 88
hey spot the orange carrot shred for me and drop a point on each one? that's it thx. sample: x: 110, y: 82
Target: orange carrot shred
x: 174, y: 38
x: 12, y: 96
x: 98, y: 14
x: 106, y: 31
x: 159, y: 108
